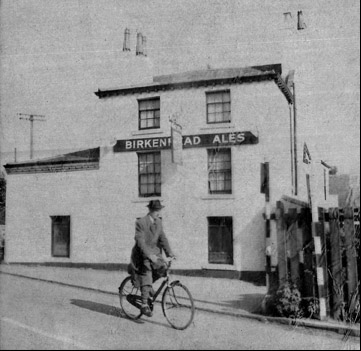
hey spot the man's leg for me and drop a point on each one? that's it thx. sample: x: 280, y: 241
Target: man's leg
x: 145, y: 289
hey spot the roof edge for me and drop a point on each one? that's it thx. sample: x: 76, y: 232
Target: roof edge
x: 248, y: 74
x: 82, y: 156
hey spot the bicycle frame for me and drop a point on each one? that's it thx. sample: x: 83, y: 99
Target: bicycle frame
x: 164, y: 283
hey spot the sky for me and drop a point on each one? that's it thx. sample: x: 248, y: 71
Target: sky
x: 55, y: 54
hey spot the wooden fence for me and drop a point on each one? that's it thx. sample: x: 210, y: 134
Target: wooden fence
x: 320, y: 255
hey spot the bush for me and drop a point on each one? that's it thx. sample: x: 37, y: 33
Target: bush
x: 287, y: 301
x: 350, y: 312
x: 310, y: 307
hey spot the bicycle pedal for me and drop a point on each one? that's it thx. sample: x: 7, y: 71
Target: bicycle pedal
x: 146, y: 311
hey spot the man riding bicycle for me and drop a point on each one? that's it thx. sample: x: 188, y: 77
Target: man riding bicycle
x: 147, y: 264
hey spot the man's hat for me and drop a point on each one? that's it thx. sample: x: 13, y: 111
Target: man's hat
x: 155, y: 205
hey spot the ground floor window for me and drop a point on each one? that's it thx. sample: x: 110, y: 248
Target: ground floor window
x: 149, y: 173
x: 60, y: 236
x: 219, y: 171
x: 220, y: 240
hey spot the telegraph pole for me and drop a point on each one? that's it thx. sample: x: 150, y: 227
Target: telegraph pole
x: 32, y: 118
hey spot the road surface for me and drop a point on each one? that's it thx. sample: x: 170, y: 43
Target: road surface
x: 48, y: 316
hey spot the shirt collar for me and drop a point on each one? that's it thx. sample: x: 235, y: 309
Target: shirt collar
x: 151, y: 219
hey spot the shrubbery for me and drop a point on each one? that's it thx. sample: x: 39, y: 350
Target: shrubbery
x: 287, y: 302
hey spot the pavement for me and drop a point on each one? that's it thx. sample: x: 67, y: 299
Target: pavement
x: 231, y: 297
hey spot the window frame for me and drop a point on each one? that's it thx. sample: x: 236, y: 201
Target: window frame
x: 53, y: 239
x: 209, y: 93
x: 156, y: 175
x: 223, y: 229
x: 154, y: 118
x: 223, y: 171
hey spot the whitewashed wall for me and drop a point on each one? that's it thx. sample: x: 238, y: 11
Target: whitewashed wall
x: 104, y: 203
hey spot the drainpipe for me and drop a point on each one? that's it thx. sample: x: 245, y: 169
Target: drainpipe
x: 291, y: 148
x: 295, y: 136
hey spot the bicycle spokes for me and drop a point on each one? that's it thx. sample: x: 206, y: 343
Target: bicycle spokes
x: 130, y: 299
x: 173, y: 299
x: 178, y: 306
x: 134, y: 300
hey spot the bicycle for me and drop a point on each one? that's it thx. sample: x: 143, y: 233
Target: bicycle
x: 177, y: 301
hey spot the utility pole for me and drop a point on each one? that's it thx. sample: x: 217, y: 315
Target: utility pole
x: 32, y: 118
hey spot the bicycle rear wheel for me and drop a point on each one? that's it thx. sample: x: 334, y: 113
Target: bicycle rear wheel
x: 178, y: 306
x: 130, y: 299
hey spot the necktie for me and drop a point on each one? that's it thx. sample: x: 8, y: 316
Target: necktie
x: 153, y: 227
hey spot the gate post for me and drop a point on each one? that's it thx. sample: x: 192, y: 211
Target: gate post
x: 281, y: 243
x: 336, y: 264
x: 316, y: 233
x: 271, y: 239
x: 350, y: 252
x: 308, y: 286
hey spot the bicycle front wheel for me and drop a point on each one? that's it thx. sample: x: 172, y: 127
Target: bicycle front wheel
x: 178, y: 306
x: 130, y: 299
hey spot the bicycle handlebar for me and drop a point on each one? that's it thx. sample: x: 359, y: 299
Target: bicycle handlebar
x: 169, y: 261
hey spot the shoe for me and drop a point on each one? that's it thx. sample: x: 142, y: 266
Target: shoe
x: 146, y: 311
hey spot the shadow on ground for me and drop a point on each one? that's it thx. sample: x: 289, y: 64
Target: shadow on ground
x: 98, y: 307
x: 111, y: 311
x: 246, y: 302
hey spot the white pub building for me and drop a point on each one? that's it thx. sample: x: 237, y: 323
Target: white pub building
x: 198, y: 142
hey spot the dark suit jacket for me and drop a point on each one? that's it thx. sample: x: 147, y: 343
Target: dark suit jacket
x: 148, y: 242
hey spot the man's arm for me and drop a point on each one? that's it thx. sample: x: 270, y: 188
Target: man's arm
x: 165, y: 243
x: 140, y: 240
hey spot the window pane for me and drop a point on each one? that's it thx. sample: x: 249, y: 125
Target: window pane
x: 211, y: 118
x: 150, y: 190
x: 226, y: 97
x: 150, y: 123
x: 143, y: 189
x: 157, y: 168
x: 210, y: 98
x: 143, y: 124
x: 226, y: 107
x: 143, y: 179
x: 156, y: 104
x: 211, y: 108
x: 151, y: 178
x: 214, y: 97
x: 226, y: 116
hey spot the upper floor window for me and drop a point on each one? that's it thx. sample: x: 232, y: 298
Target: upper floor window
x: 219, y: 171
x: 218, y: 106
x: 149, y: 113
